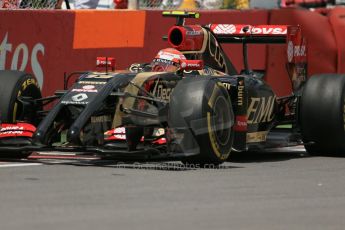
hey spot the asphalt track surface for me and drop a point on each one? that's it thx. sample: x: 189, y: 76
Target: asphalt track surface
x: 275, y: 190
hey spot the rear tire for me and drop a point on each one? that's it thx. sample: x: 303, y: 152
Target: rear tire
x: 322, y: 114
x: 201, y: 110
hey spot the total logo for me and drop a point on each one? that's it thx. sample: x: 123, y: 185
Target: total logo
x: 86, y: 89
x: 225, y: 29
x: 22, y: 57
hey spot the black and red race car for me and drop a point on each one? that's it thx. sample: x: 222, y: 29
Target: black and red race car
x: 198, y: 114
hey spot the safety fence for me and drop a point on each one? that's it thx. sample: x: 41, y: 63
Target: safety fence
x: 167, y: 4
x: 29, y: 4
x: 193, y: 4
x: 131, y: 4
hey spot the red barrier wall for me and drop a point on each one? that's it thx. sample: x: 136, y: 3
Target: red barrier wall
x: 337, y: 20
x: 49, y: 43
x: 322, y: 49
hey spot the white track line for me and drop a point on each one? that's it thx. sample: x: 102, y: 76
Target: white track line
x: 7, y: 165
x: 52, y: 153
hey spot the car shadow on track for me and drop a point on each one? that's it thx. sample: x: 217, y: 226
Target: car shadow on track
x: 267, y: 156
x: 80, y: 161
x: 157, y: 166
x: 245, y: 157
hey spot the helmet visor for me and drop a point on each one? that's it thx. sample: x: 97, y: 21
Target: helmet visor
x: 162, y: 65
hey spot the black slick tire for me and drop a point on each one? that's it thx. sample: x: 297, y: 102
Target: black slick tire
x: 322, y: 114
x: 200, y: 108
x: 14, y: 84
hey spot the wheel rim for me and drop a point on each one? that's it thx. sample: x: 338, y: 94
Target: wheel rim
x: 18, y: 110
x: 221, y: 121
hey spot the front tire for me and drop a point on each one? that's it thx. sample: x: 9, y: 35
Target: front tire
x: 15, y: 84
x: 200, y: 108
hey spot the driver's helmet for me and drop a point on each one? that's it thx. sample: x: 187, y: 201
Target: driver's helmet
x: 167, y: 60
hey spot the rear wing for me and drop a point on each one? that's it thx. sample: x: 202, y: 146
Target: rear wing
x: 203, y: 40
x: 192, y: 37
x: 196, y: 38
x: 229, y: 33
x: 237, y: 33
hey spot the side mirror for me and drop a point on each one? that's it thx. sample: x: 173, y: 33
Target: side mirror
x: 107, y: 62
x: 191, y: 65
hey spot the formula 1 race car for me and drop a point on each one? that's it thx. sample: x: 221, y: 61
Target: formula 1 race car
x: 197, y: 114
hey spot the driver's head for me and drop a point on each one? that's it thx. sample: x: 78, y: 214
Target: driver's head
x: 167, y: 60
